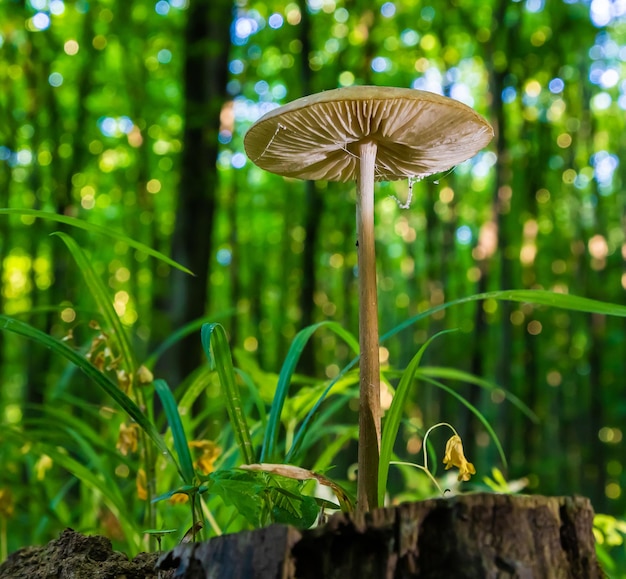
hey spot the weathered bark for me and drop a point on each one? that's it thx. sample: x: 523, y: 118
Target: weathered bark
x: 205, y: 76
x: 466, y: 537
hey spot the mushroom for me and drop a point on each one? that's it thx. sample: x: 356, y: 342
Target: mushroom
x: 367, y: 134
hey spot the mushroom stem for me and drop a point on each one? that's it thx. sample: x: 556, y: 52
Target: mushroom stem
x: 369, y: 405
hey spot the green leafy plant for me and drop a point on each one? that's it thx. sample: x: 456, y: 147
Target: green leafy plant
x: 610, y: 535
x: 111, y: 364
x: 257, y: 477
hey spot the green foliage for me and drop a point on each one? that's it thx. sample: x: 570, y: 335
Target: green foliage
x: 268, y: 451
x: 100, y: 379
x: 93, y: 228
x: 610, y: 535
x: 262, y: 498
x: 393, y: 419
x: 102, y: 153
x: 216, y: 347
x: 176, y: 426
x: 499, y: 484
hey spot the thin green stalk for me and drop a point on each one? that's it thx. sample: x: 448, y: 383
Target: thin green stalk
x: 150, y: 468
x: 93, y: 228
x: 426, y: 439
x: 3, y: 539
x: 208, y: 515
x: 422, y: 468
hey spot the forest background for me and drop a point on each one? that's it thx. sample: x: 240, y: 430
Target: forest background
x: 131, y: 115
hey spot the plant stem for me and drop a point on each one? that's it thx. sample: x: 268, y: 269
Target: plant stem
x: 369, y: 405
x: 149, y: 459
x: 3, y: 540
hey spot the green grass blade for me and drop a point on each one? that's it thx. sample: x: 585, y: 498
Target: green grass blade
x: 179, y: 334
x: 323, y: 424
x: 217, y: 351
x: 60, y: 427
x: 462, y: 376
x: 100, y: 294
x: 284, y: 380
x: 192, y: 387
x: 90, y: 475
x: 255, y: 396
x: 302, y: 431
x: 324, y: 460
x: 107, y: 385
x: 93, y: 228
x: 537, y: 297
x: 178, y: 432
x: 393, y: 416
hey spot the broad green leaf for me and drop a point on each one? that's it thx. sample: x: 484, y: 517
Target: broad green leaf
x: 291, y: 508
x: 93, y: 228
x: 242, y: 489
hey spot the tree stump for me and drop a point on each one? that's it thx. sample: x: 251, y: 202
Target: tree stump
x: 476, y: 536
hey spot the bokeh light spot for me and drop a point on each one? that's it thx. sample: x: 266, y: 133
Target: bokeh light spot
x: 55, y: 79
x: 71, y: 47
x: 40, y: 21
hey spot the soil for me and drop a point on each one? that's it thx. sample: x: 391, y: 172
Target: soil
x: 76, y: 556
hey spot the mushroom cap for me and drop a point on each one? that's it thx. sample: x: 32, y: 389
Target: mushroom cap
x: 417, y: 133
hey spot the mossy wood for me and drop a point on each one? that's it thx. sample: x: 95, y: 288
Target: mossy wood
x: 465, y: 537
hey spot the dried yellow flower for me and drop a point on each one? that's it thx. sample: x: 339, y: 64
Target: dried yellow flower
x: 127, y: 439
x: 7, y: 506
x: 142, y: 485
x: 209, y: 452
x: 454, y: 457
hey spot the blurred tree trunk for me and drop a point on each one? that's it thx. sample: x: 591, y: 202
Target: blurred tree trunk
x: 40, y: 376
x: 207, y: 37
x: 504, y: 39
x: 314, y: 206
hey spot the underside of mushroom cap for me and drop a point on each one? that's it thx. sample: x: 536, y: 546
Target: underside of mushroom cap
x: 417, y: 133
